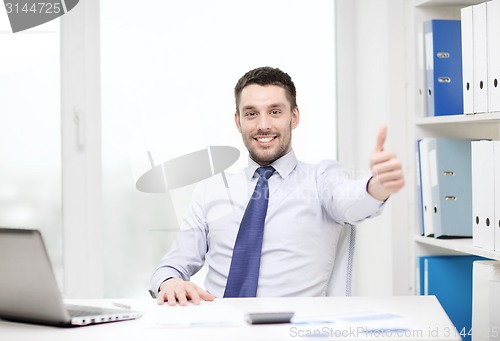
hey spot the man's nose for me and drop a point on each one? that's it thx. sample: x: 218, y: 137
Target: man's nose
x: 264, y: 122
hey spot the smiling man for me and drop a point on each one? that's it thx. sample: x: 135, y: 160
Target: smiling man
x: 276, y: 234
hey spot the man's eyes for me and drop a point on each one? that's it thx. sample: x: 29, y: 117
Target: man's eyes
x: 253, y: 113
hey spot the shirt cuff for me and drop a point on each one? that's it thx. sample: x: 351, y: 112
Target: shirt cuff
x: 366, y: 206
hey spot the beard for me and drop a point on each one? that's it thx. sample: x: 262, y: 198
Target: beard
x: 265, y: 156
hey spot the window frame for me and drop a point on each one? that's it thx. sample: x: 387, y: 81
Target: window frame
x: 81, y: 152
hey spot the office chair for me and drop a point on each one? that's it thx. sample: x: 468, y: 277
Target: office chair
x: 340, y: 283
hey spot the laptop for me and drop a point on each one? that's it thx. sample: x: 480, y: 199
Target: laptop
x: 29, y: 291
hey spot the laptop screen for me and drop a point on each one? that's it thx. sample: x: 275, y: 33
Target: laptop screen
x: 29, y: 291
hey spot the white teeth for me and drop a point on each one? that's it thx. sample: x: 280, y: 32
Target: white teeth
x: 265, y: 139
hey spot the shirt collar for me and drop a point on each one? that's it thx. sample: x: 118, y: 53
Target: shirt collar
x: 284, y: 165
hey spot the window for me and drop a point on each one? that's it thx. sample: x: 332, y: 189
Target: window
x: 30, y: 133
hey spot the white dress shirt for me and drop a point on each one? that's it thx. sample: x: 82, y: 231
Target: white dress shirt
x: 308, y: 205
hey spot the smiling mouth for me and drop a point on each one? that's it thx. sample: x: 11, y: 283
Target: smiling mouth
x: 265, y: 139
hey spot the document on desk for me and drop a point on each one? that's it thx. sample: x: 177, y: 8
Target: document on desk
x: 203, y: 315
x: 356, y: 324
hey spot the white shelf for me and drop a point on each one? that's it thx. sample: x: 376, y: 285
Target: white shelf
x: 492, y: 117
x: 462, y: 245
x: 425, y: 3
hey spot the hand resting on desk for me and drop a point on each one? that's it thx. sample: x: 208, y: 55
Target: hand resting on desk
x: 176, y: 290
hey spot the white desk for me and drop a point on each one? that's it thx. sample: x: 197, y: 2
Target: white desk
x: 338, y: 318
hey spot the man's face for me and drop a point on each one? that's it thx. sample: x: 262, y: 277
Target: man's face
x: 265, y: 122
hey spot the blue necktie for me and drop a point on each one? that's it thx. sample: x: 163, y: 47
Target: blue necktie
x: 245, y: 263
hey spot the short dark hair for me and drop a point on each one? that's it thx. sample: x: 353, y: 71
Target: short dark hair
x: 267, y: 76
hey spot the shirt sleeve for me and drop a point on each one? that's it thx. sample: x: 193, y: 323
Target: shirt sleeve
x: 187, y: 254
x: 346, y: 200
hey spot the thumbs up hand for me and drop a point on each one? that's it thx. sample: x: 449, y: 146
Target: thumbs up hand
x: 387, y: 173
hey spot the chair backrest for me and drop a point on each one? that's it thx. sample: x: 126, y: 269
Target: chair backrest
x: 340, y: 283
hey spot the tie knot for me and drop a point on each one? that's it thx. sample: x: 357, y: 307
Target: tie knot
x: 265, y: 172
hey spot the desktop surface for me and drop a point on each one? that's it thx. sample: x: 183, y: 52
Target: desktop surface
x: 326, y: 318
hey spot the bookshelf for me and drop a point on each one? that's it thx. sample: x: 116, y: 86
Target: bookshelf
x: 487, y: 118
x: 458, y: 246
x: 433, y: 3
x: 474, y: 126
x: 467, y: 126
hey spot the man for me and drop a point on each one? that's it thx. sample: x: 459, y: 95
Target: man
x: 307, y: 206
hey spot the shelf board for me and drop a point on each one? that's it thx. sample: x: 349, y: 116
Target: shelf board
x: 462, y: 245
x: 491, y: 117
x: 429, y: 3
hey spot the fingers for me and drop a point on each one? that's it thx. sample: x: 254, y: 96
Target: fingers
x: 384, y: 161
x: 191, y: 293
x: 179, y: 291
x: 177, y: 295
x: 382, y: 135
x: 206, y: 296
x: 392, y: 186
x: 381, y: 157
x: 391, y: 180
x: 386, y: 170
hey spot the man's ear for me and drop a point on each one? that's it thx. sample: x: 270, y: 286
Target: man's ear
x: 295, y: 117
x: 237, y: 121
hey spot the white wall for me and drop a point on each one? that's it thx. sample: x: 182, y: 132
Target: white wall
x: 371, y: 92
